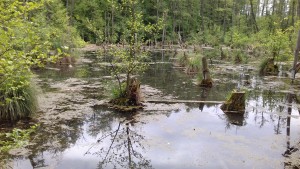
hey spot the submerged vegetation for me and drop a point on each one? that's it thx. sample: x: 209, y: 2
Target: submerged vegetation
x: 16, y: 138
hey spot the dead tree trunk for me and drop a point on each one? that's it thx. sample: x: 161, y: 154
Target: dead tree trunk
x: 206, y: 81
x: 235, y: 104
x: 134, y: 93
x: 294, y: 70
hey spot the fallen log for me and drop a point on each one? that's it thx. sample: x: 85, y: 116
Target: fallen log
x: 184, y: 101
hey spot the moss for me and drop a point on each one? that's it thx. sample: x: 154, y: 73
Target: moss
x: 235, y: 103
x: 267, y: 67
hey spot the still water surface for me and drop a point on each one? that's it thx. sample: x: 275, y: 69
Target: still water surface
x: 190, y: 136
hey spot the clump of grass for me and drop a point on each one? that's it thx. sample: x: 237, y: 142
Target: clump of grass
x: 267, y: 67
x: 16, y: 138
x: 263, y: 65
x: 239, y: 57
x: 212, y: 53
x: 17, y: 102
x: 117, y: 93
x: 194, y: 64
x: 183, y: 59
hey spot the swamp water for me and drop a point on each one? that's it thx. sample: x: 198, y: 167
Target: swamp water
x: 78, y: 133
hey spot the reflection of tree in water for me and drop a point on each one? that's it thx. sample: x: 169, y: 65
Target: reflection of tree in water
x: 266, y: 108
x: 124, y: 148
x: 58, y: 138
x: 233, y: 119
x: 102, y: 123
x: 290, y: 149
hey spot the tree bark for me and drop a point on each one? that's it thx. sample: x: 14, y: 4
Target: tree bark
x: 298, y: 9
x: 202, y: 15
x: 206, y: 81
x: 235, y: 104
x: 253, y: 17
x: 296, y: 56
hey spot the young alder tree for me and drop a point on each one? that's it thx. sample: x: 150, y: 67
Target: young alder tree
x: 131, y: 59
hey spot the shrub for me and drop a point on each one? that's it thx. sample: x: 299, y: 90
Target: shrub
x: 239, y: 56
x: 16, y: 139
x: 183, y: 59
x: 194, y: 64
x: 17, y: 102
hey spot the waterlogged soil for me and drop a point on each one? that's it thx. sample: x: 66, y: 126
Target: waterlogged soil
x: 77, y: 131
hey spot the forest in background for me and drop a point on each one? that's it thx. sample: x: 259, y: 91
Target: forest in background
x: 235, y: 23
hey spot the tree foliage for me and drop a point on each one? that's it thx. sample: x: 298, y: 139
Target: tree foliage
x: 28, y: 32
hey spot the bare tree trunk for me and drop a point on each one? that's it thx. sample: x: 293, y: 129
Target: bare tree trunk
x: 202, y: 19
x: 253, y: 17
x: 298, y: 9
x: 206, y: 81
x: 164, y: 33
x: 112, y: 24
x: 105, y: 29
x: 273, y: 7
x: 224, y: 22
x: 263, y: 8
x: 258, y: 8
x: 232, y: 19
x: 296, y: 55
x: 129, y: 148
x: 267, y: 7
x: 293, y: 12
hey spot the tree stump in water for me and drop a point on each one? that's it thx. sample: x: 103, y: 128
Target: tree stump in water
x: 206, y: 81
x: 223, y: 55
x: 131, y: 101
x: 235, y: 104
x: 134, y: 93
x: 269, y: 68
x: 247, y: 79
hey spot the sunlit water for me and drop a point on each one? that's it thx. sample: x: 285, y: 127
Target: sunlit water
x: 190, y: 137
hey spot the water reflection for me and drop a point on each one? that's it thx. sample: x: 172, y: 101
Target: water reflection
x: 236, y: 119
x: 53, y: 140
x: 190, y: 137
x: 290, y: 149
x: 120, y: 147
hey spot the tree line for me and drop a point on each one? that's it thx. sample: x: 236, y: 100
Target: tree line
x: 180, y: 21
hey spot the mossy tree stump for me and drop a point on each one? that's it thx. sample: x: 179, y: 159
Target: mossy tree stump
x: 247, y: 79
x: 268, y: 67
x: 131, y: 101
x: 206, y: 81
x: 236, y: 103
x: 134, y: 92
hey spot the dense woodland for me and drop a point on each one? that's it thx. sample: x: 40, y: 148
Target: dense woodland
x: 231, y: 22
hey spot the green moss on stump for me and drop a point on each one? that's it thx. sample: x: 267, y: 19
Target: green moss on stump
x: 131, y: 101
x: 267, y: 67
x: 236, y: 103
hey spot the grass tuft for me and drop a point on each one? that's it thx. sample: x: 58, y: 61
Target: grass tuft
x: 17, y: 103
